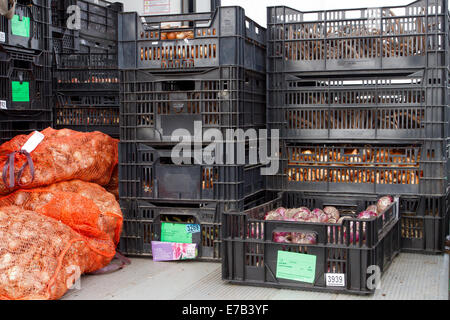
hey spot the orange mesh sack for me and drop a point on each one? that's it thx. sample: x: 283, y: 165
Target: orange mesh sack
x: 63, y: 155
x: 81, y: 205
x: 113, y: 185
x: 40, y: 257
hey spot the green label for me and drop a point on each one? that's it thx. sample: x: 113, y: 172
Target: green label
x: 20, y: 91
x: 296, y: 266
x: 20, y: 27
x: 175, y: 232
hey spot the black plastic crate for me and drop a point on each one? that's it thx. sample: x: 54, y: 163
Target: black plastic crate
x: 250, y: 254
x: 25, y: 80
x: 88, y: 112
x: 363, y: 168
x: 407, y: 37
x: 424, y: 224
x: 224, y: 37
x: 99, y: 73
x: 151, y: 174
x: 402, y: 107
x: 30, y: 26
x: 142, y: 225
x: 153, y: 106
x: 65, y: 40
x: 98, y: 18
x: 13, y: 123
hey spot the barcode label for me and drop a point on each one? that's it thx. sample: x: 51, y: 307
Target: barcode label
x: 3, y: 104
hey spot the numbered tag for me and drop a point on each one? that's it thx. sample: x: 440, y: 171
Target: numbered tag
x: 2, y: 37
x: 3, y: 104
x: 192, y: 228
x: 335, y: 279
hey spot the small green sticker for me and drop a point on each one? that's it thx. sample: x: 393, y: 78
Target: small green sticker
x: 20, y: 91
x: 175, y: 232
x: 296, y: 266
x: 20, y: 27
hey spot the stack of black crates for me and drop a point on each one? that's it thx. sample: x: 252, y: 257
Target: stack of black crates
x: 360, y: 97
x: 213, y: 75
x: 25, y: 69
x: 86, y: 76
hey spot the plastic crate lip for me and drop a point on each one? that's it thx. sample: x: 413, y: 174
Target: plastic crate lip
x: 350, y: 9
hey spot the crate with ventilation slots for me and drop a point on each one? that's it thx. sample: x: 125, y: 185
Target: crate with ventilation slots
x: 401, y: 37
x: 158, y: 175
x: 363, y: 168
x: 98, y: 18
x: 424, y: 224
x: 25, y: 80
x: 88, y: 112
x: 350, y: 250
x: 154, y: 106
x: 408, y: 106
x: 14, y: 123
x: 142, y: 225
x: 100, y: 72
x: 189, y: 42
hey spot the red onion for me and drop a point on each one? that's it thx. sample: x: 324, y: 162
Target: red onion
x: 372, y: 208
x: 275, y: 215
x: 384, y: 203
x: 304, y: 238
x: 282, y: 237
x: 367, y: 215
x: 303, y: 214
x: 332, y: 212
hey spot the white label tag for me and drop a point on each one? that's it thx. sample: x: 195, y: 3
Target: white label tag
x: 191, y: 252
x: 33, y: 142
x: 2, y: 37
x: 335, y: 279
x: 3, y: 104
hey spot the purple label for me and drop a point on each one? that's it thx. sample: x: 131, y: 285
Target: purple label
x: 170, y: 251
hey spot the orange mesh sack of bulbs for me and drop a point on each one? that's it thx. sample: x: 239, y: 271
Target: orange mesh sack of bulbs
x: 62, y: 155
x: 41, y: 257
x: 67, y: 202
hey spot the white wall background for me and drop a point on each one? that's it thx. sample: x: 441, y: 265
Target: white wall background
x: 256, y: 9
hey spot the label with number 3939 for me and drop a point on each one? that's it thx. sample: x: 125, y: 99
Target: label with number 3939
x: 335, y: 279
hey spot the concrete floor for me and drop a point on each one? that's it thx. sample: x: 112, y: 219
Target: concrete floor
x: 410, y: 277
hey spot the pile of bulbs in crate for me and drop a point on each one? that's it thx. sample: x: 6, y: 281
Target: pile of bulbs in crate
x: 327, y: 215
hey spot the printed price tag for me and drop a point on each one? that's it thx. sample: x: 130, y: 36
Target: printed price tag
x: 296, y: 266
x: 193, y: 228
x: 3, y: 104
x: 2, y: 37
x: 175, y: 232
x: 33, y: 142
x: 335, y: 279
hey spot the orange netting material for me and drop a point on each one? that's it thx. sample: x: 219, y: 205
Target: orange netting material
x: 85, y: 207
x: 63, y: 155
x: 113, y: 185
x: 40, y: 257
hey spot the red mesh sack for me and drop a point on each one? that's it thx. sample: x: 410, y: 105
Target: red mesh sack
x: 41, y: 257
x: 63, y: 155
x: 84, y: 206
